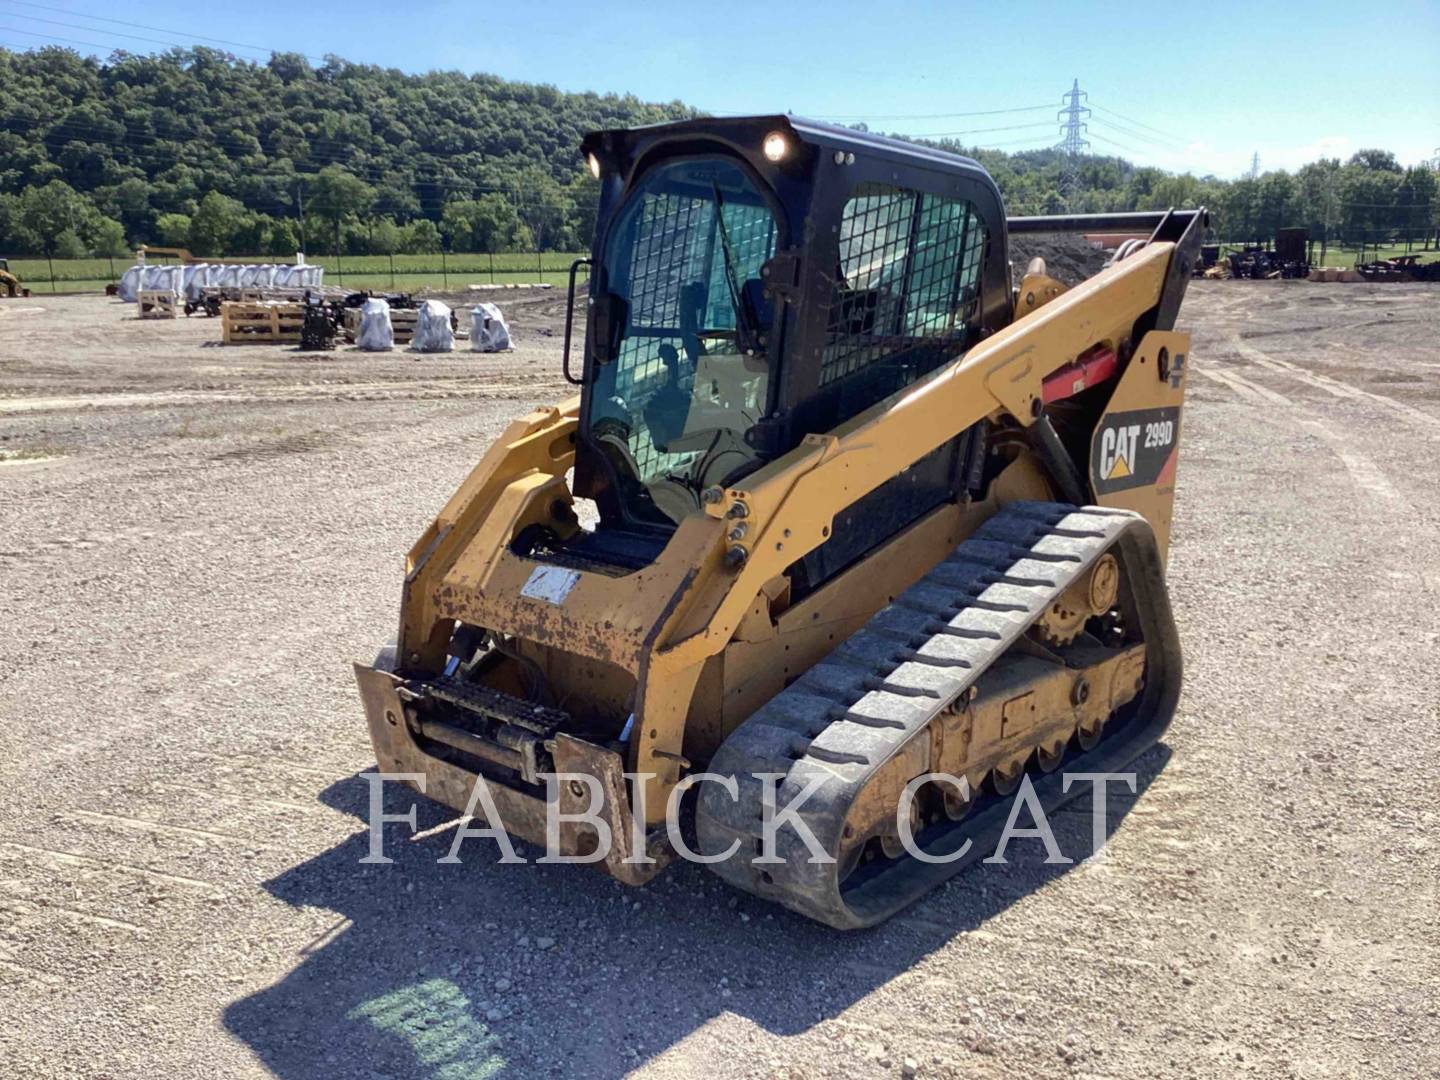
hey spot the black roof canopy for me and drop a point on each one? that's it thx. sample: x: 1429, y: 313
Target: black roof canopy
x: 622, y: 148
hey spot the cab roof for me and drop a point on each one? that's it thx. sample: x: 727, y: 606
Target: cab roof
x: 623, y: 146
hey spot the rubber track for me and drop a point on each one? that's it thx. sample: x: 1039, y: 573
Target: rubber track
x: 851, y: 712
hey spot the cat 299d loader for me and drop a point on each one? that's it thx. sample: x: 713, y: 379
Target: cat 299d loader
x: 864, y: 523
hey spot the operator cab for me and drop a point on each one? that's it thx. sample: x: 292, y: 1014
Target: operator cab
x: 758, y: 279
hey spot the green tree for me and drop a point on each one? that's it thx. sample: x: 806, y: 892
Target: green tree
x: 1381, y: 160
x: 385, y: 237
x: 107, y: 237
x: 545, y: 207
x: 488, y: 223
x: 47, y: 212
x: 283, y: 240
x: 420, y: 237
x: 13, y: 236
x: 173, y: 230
x: 584, y: 195
x: 251, y: 235
x: 1277, y: 205
x: 337, y: 195
x: 215, y: 223
x: 68, y: 245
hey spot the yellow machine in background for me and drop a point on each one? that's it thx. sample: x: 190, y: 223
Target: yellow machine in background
x: 866, y: 513
x: 9, y: 283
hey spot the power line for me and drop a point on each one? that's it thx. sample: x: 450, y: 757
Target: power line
x: 976, y: 131
x: 1112, y: 142
x: 113, y: 33
x: 1029, y: 144
x: 933, y: 116
x: 1137, y: 123
x: 67, y: 40
x: 1137, y: 135
x: 142, y: 26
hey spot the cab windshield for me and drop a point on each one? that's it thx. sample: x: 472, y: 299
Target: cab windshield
x: 690, y: 374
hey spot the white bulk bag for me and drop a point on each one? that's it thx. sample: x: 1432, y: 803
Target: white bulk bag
x: 432, y: 328
x: 284, y: 277
x: 162, y: 278
x: 488, y: 329
x: 130, y: 283
x: 376, y: 334
x: 196, y: 277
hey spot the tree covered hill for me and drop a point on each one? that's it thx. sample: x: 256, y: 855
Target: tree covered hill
x: 197, y: 148
x: 143, y: 138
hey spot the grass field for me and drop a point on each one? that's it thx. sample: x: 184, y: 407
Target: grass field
x: 410, y: 272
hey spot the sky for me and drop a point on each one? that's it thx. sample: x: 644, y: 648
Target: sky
x: 1200, y: 88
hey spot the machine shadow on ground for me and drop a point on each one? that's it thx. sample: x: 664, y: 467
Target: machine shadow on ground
x: 434, y: 970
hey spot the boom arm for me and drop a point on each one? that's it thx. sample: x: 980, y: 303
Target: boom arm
x: 790, y: 506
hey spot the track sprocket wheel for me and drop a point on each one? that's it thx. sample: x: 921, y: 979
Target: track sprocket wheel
x: 1094, y: 594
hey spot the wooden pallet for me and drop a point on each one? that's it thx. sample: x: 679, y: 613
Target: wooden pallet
x: 157, y: 303
x: 402, y: 322
x: 246, y: 323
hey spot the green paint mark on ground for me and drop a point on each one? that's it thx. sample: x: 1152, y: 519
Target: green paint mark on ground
x: 434, y: 1019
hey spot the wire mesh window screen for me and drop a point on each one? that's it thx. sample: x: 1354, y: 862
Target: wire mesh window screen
x: 907, y: 280
x: 671, y: 245
x: 751, y: 232
x: 674, y: 243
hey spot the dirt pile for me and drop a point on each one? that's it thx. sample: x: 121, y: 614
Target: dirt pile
x: 1068, y: 258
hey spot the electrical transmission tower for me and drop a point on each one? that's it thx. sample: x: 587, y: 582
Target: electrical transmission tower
x: 1072, y: 144
x: 1254, y: 173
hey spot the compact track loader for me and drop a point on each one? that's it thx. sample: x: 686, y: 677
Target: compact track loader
x: 863, y: 513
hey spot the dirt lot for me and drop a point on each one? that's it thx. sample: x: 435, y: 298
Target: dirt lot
x: 195, y: 541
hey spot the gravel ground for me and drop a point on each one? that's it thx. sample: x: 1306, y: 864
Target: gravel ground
x: 196, y: 540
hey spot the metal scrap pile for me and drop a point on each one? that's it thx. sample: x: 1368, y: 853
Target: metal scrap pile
x: 1400, y: 268
x: 1258, y: 263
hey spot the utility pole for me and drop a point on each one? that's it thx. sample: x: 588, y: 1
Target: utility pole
x: 1072, y: 144
x: 300, y: 202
